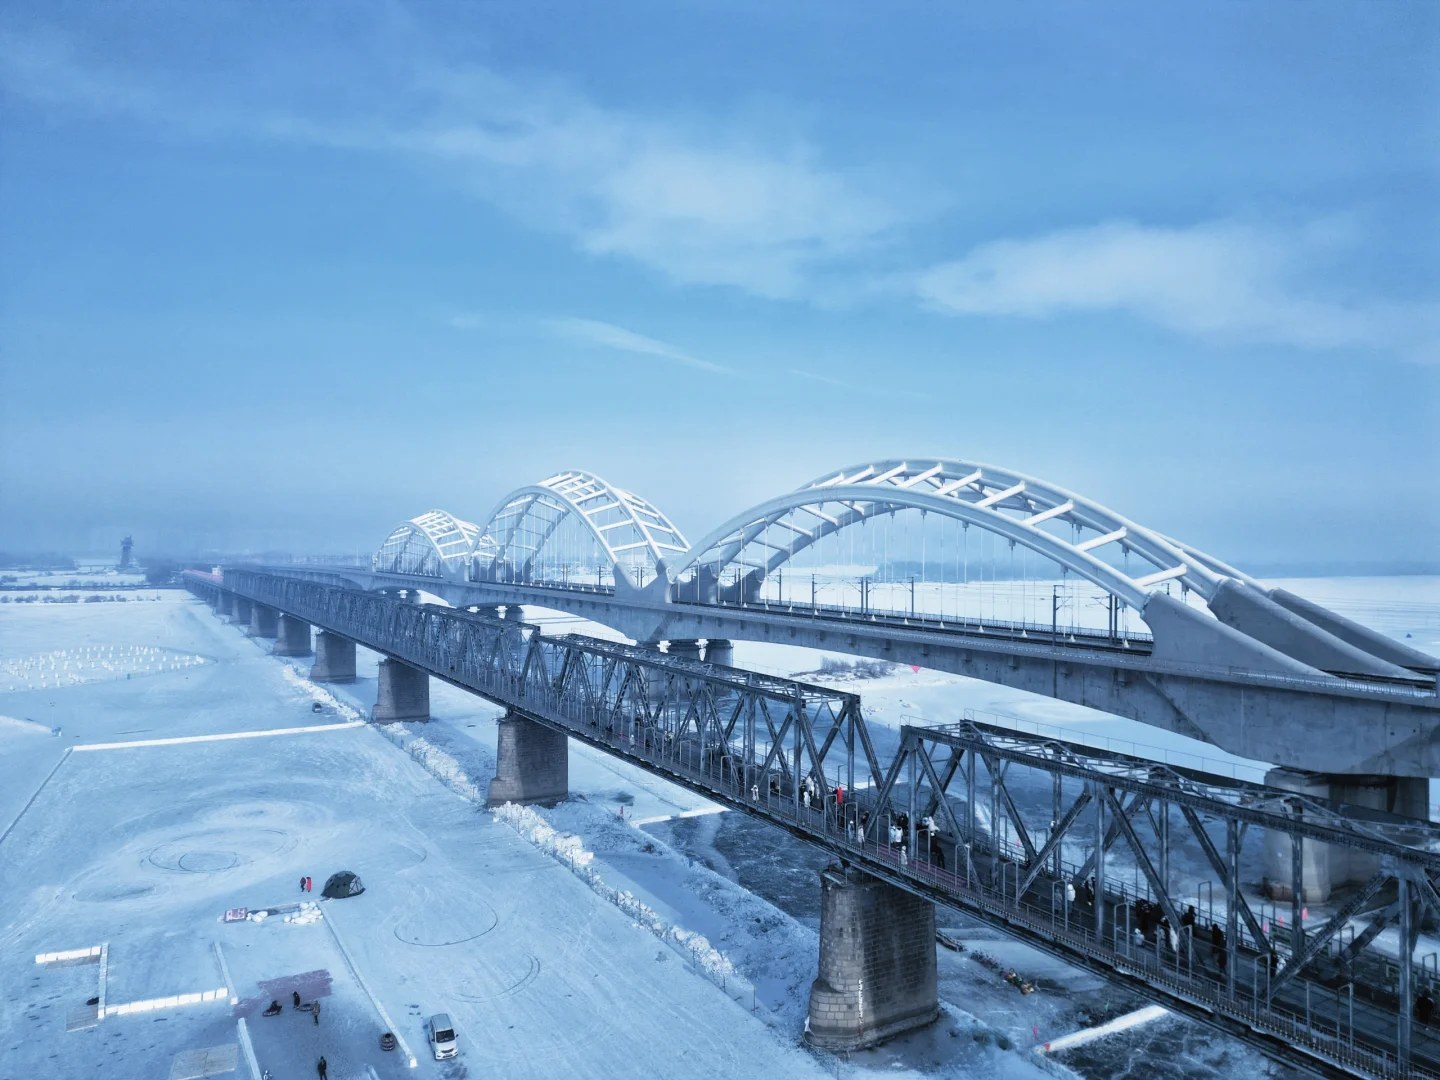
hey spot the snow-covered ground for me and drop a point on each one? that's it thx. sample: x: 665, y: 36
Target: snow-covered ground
x: 561, y: 942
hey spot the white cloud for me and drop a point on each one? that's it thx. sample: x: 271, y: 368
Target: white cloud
x: 610, y: 336
x: 1222, y: 279
x: 677, y: 196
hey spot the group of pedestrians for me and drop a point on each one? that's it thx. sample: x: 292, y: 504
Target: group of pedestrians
x: 305, y: 884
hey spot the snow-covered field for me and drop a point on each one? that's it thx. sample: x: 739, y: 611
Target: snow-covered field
x: 565, y: 942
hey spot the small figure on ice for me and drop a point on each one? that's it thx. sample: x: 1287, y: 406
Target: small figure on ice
x: 295, y: 997
x: 322, y: 1068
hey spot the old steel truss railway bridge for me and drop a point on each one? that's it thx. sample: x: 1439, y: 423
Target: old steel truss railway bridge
x: 1066, y: 847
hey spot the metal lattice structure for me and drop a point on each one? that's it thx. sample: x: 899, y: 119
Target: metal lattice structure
x: 434, y: 544
x: 953, y: 817
x: 1068, y: 529
x: 625, y: 536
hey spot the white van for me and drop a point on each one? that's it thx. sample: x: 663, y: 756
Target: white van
x: 441, y: 1034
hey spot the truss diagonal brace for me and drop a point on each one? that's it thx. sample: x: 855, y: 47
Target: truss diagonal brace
x: 1057, y: 835
x: 1011, y: 810
x: 1217, y: 863
x: 1143, y: 860
x: 1323, y: 936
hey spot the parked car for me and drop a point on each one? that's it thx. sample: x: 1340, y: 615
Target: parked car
x: 441, y: 1034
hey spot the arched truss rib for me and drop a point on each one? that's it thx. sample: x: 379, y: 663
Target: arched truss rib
x: 435, y: 544
x: 632, y: 534
x: 1019, y: 508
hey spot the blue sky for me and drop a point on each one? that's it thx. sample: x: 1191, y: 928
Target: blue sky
x: 284, y: 274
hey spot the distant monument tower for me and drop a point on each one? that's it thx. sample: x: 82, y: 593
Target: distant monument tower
x: 126, y: 546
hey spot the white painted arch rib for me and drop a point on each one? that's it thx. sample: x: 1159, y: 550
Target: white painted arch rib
x: 1001, y: 501
x: 632, y: 533
x: 432, y: 544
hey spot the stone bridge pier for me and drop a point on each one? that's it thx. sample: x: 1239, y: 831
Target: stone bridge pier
x: 292, y: 638
x: 720, y: 651
x: 264, y: 621
x: 334, y: 658
x: 224, y: 603
x: 532, y: 763
x: 403, y: 693
x: 241, y: 611
x: 877, y: 962
x: 687, y: 648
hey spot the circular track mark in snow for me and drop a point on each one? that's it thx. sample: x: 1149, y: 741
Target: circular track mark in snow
x: 208, y: 862
x: 437, y: 934
x: 532, y: 972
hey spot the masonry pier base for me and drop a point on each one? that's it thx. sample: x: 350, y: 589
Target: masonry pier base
x: 264, y: 621
x: 403, y: 693
x: 532, y: 763
x: 241, y: 611
x: 1329, y: 866
x: 224, y: 603
x: 720, y: 651
x: 293, y: 638
x: 686, y: 648
x: 877, y: 962
x: 334, y: 658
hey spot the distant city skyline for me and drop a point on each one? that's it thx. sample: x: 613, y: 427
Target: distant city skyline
x: 277, y: 278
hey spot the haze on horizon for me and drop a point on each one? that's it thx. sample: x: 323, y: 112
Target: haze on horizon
x: 280, y: 277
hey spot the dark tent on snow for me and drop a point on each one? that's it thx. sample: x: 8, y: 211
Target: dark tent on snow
x: 342, y: 885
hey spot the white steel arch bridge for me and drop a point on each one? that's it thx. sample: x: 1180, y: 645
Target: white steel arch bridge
x: 961, y: 566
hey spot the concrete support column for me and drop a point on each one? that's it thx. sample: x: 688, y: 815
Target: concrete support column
x: 293, y: 638
x: 532, y: 763
x: 1327, y: 866
x: 688, y: 648
x: 241, y: 614
x: 225, y: 603
x: 264, y: 621
x: 654, y: 677
x: 1315, y: 857
x: 514, y: 611
x: 720, y: 651
x: 334, y: 658
x: 403, y: 693
x: 877, y: 962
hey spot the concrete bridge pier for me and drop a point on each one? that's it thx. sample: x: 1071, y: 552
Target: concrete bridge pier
x: 334, y: 658
x: 1328, y: 866
x: 720, y: 651
x: 532, y: 763
x: 877, y: 962
x: 687, y: 648
x: 224, y: 603
x: 403, y: 694
x: 513, y: 611
x: 240, y: 615
x: 264, y: 621
x: 293, y: 638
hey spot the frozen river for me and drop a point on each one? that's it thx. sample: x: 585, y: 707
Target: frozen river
x: 565, y: 942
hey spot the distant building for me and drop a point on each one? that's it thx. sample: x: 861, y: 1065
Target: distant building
x: 126, y: 547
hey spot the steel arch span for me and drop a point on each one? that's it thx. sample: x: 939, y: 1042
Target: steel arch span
x: 1131, y: 563
x: 434, y: 544
x: 1021, y: 509
x: 525, y: 538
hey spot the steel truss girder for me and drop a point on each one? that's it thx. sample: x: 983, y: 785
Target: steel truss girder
x: 576, y: 684
x: 1126, y: 794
